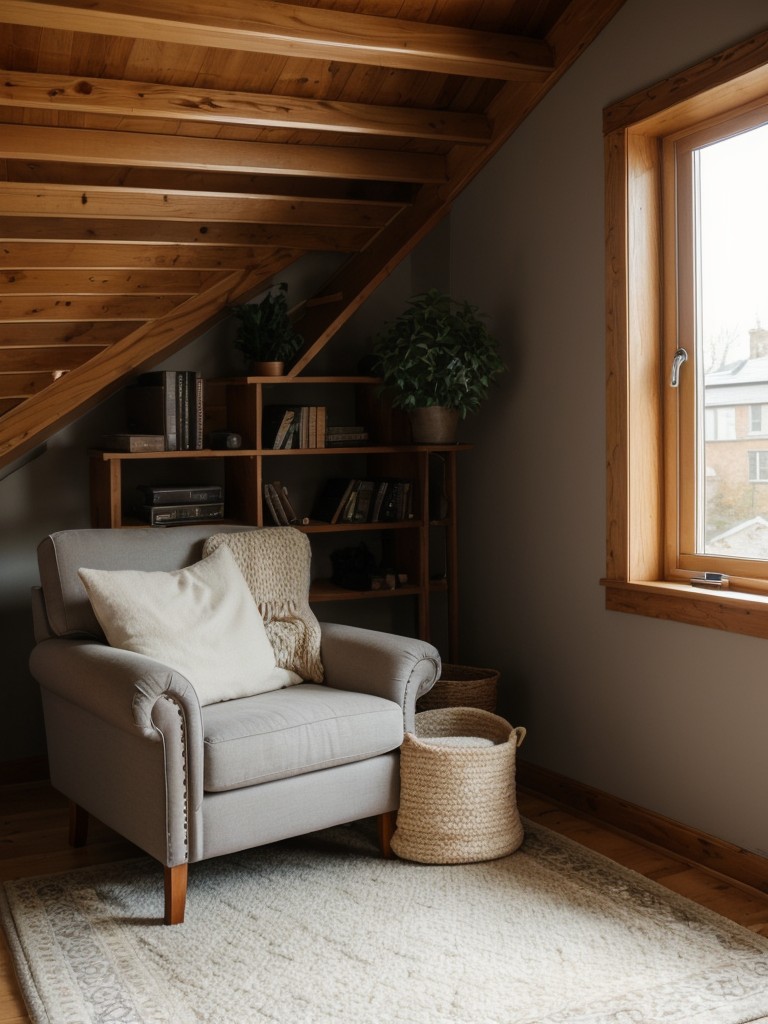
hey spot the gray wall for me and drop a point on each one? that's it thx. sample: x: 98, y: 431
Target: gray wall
x: 665, y: 715
x: 669, y: 716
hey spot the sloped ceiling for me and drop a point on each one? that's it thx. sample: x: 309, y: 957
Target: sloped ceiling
x: 161, y: 160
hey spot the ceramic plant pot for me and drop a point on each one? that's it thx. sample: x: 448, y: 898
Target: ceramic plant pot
x: 434, y: 424
x: 272, y: 368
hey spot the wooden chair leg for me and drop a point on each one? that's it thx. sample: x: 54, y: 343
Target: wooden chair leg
x: 78, y: 824
x: 386, y: 823
x: 175, y: 893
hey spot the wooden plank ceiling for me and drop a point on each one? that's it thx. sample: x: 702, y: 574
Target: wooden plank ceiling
x: 161, y: 160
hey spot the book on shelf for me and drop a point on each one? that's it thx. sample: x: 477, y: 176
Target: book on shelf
x: 133, y: 442
x: 168, y: 402
x: 275, y: 508
x: 277, y: 422
x: 294, y: 426
x: 363, y: 501
x: 345, y: 500
x: 281, y: 493
x: 279, y: 505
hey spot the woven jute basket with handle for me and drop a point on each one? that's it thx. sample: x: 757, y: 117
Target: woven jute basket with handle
x: 458, y: 801
x: 462, y: 686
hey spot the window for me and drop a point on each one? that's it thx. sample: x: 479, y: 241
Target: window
x: 758, y: 467
x: 758, y: 419
x: 675, y: 455
x: 714, y: 226
x: 720, y: 423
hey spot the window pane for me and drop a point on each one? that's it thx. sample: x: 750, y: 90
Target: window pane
x: 731, y: 284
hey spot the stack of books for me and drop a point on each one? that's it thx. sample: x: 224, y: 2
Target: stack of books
x: 167, y: 403
x: 175, y: 504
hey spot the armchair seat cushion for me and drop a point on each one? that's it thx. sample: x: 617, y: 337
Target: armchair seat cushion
x: 289, y: 732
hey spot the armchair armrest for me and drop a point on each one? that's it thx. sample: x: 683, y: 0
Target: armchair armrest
x: 116, y: 686
x: 86, y: 683
x: 398, y: 668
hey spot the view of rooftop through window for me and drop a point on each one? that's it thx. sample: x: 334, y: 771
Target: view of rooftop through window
x: 731, y: 199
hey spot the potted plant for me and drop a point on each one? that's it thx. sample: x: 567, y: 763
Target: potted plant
x: 266, y: 336
x: 438, y: 361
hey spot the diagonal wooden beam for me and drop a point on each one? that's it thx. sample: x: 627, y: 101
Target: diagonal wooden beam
x: 264, y: 26
x: 219, y: 106
x: 77, y: 145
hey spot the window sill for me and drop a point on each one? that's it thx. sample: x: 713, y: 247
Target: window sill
x: 728, y: 610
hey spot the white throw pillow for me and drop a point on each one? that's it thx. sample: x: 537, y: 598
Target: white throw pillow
x: 201, y: 621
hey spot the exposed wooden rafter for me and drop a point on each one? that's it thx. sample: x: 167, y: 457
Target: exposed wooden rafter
x: 262, y: 26
x: 161, y: 161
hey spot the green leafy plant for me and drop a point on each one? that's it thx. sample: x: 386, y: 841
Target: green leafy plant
x: 265, y: 332
x: 437, y: 352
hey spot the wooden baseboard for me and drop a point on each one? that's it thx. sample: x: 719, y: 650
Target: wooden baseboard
x: 692, y: 845
x: 27, y: 769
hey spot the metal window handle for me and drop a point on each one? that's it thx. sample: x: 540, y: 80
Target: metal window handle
x: 677, y: 361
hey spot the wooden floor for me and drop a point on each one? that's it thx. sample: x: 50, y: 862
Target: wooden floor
x: 33, y: 841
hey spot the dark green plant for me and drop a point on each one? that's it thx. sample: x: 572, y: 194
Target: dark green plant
x: 265, y: 331
x: 437, y: 352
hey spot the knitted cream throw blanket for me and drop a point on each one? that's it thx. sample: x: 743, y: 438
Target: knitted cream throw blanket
x: 275, y: 562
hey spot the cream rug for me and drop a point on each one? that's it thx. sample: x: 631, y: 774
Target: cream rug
x: 323, y: 931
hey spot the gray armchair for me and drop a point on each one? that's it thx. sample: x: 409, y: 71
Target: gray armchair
x: 130, y: 742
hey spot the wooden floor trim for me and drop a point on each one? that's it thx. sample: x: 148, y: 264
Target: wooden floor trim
x: 724, y: 858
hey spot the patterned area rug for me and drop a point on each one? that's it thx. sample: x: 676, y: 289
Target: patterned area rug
x: 322, y: 931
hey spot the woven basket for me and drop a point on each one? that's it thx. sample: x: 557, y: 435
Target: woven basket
x: 457, y: 798
x: 461, y: 686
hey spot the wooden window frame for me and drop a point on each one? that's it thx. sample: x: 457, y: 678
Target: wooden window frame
x: 638, y: 478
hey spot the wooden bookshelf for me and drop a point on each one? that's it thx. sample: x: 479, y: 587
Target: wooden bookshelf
x: 243, y: 472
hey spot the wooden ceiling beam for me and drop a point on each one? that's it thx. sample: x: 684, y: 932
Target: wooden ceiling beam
x: 99, y: 255
x: 24, y: 385
x: 81, y: 389
x: 26, y: 199
x: 217, y: 106
x: 94, y: 334
x: 224, y: 183
x: 81, y: 146
x: 139, y: 232
x: 102, y: 282
x: 264, y: 26
x: 44, y: 360
x: 37, y: 308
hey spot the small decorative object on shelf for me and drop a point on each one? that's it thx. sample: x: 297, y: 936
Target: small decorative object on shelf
x: 133, y: 442
x: 438, y: 361
x: 266, y: 336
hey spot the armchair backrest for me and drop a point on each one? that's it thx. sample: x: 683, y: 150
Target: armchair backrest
x: 66, y: 606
